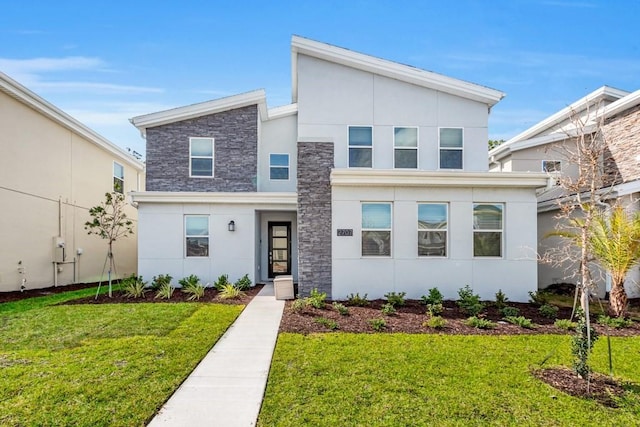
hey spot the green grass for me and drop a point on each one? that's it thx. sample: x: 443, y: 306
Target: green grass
x: 400, y: 380
x: 99, y: 365
x: 44, y: 301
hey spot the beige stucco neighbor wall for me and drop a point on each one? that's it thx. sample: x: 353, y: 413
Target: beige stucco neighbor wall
x: 49, y: 178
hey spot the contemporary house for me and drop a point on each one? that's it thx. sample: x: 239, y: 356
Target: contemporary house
x: 546, y: 147
x: 52, y: 170
x: 374, y: 179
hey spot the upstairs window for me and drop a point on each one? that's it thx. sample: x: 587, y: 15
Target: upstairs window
x: 551, y: 166
x: 432, y: 229
x: 360, y: 146
x: 405, y: 148
x: 201, y: 157
x: 279, y: 166
x: 118, y: 178
x: 376, y: 229
x: 487, y: 229
x: 196, y: 230
x: 451, y: 141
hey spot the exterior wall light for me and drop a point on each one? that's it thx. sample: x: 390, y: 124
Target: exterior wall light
x: 232, y: 225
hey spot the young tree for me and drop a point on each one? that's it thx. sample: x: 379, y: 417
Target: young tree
x: 110, y: 222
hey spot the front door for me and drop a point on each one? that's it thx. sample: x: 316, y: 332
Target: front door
x: 279, y: 248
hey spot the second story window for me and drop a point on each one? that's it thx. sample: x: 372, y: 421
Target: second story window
x: 118, y: 178
x: 201, y: 157
x: 405, y: 148
x: 279, y: 166
x: 451, y: 140
x: 551, y: 166
x: 360, y: 146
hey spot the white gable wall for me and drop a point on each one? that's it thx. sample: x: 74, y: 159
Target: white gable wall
x: 277, y: 136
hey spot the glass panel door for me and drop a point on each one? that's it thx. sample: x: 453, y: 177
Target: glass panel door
x: 279, y: 248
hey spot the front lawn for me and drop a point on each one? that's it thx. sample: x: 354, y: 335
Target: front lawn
x: 99, y: 365
x: 401, y: 380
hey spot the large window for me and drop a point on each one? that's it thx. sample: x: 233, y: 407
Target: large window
x: 376, y: 229
x: 451, y: 141
x: 196, y: 230
x: 118, y: 178
x: 279, y: 166
x: 432, y: 229
x: 201, y: 157
x: 488, y: 229
x: 360, y: 146
x: 405, y: 148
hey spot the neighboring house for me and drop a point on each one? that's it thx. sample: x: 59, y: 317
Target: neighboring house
x: 372, y: 180
x: 543, y: 147
x: 52, y: 170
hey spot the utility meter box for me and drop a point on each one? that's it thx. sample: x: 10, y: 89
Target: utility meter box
x: 59, y: 249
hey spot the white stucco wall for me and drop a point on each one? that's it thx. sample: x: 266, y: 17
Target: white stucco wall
x: 278, y: 136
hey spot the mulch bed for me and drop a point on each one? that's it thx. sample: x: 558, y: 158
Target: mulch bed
x: 31, y: 293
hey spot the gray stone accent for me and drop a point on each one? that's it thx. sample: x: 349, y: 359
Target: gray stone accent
x: 623, y: 143
x: 235, y: 134
x: 315, y: 161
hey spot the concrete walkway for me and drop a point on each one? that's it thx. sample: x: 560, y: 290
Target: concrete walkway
x: 227, y: 387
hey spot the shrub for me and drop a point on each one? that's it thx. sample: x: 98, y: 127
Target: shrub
x: 510, y: 311
x: 433, y: 297
x: 501, y: 299
x: 230, y: 292
x: 549, y: 311
x: 316, y: 299
x: 581, y: 346
x: 327, y: 323
x: 538, y: 297
x: 341, y: 308
x: 243, y: 283
x: 191, y: 285
x: 388, y: 309
x: 614, y: 322
x: 134, y: 286
x: 299, y: 304
x: 565, y: 324
x: 191, y: 279
x: 521, y: 321
x: 395, y: 299
x: 160, y: 280
x: 435, y: 322
x: 469, y: 302
x: 378, y: 324
x: 357, y: 301
x: 435, y: 309
x: 165, y: 291
x: 222, y: 281
x: 480, y: 323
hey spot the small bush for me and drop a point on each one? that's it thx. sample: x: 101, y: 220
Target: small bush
x: 395, y: 299
x: 614, y: 322
x: 480, y: 323
x: 388, y: 309
x: 357, y: 301
x: 539, y: 297
x: 341, y: 308
x: 565, y: 324
x: 192, y: 287
x: 378, y: 324
x: 243, y: 283
x: 160, y: 280
x: 521, y: 321
x: 501, y: 299
x: 327, y: 323
x: 192, y: 279
x: 165, y: 291
x: 510, y: 311
x: 316, y: 299
x: 222, y: 281
x: 433, y: 297
x: 299, y: 304
x: 134, y: 286
x: 549, y: 311
x: 230, y: 292
x: 469, y: 302
x: 435, y: 322
x: 435, y: 309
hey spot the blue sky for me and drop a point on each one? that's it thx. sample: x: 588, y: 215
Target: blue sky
x: 104, y: 62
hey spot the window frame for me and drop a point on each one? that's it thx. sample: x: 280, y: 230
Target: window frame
x: 556, y: 171
x: 349, y: 147
x: 396, y: 147
x: 389, y: 230
x: 187, y: 236
x: 288, y: 167
x: 501, y: 230
x: 445, y: 230
x: 440, y: 149
x: 115, y: 177
x: 212, y: 157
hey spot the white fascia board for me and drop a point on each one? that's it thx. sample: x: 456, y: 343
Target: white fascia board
x: 495, y: 155
x: 282, y: 111
x: 202, y: 109
x: 622, y: 104
x: 362, y: 178
x: 239, y: 198
x: 394, y: 70
x: 29, y: 98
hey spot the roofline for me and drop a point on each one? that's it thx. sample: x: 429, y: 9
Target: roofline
x: 622, y: 104
x: 394, y: 70
x: 29, y: 98
x: 282, y: 111
x: 255, y: 97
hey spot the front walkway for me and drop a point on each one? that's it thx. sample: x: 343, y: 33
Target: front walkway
x: 226, y: 388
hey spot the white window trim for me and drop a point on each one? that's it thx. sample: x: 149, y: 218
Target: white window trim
x: 212, y: 157
x: 360, y: 146
x: 451, y: 148
x: 407, y: 148
x: 390, y: 230
x: 502, y: 231
x: 113, y: 172
x: 446, y: 230
x: 288, y: 167
x: 208, y: 236
x: 551, y: 161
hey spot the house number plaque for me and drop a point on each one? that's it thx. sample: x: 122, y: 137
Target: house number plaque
x: 342, y: 232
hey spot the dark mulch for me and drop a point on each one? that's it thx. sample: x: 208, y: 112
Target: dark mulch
x: 31, y: 293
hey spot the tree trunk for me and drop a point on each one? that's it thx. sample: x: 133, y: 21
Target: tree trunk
x: 618, y: 300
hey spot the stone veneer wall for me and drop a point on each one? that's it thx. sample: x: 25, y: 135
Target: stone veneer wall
x: 315, y: 161
x: 235, y: 134
x: 622, y: 134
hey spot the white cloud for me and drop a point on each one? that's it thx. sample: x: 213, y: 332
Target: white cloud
x: 40, y: 65
x: 96, y: 88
